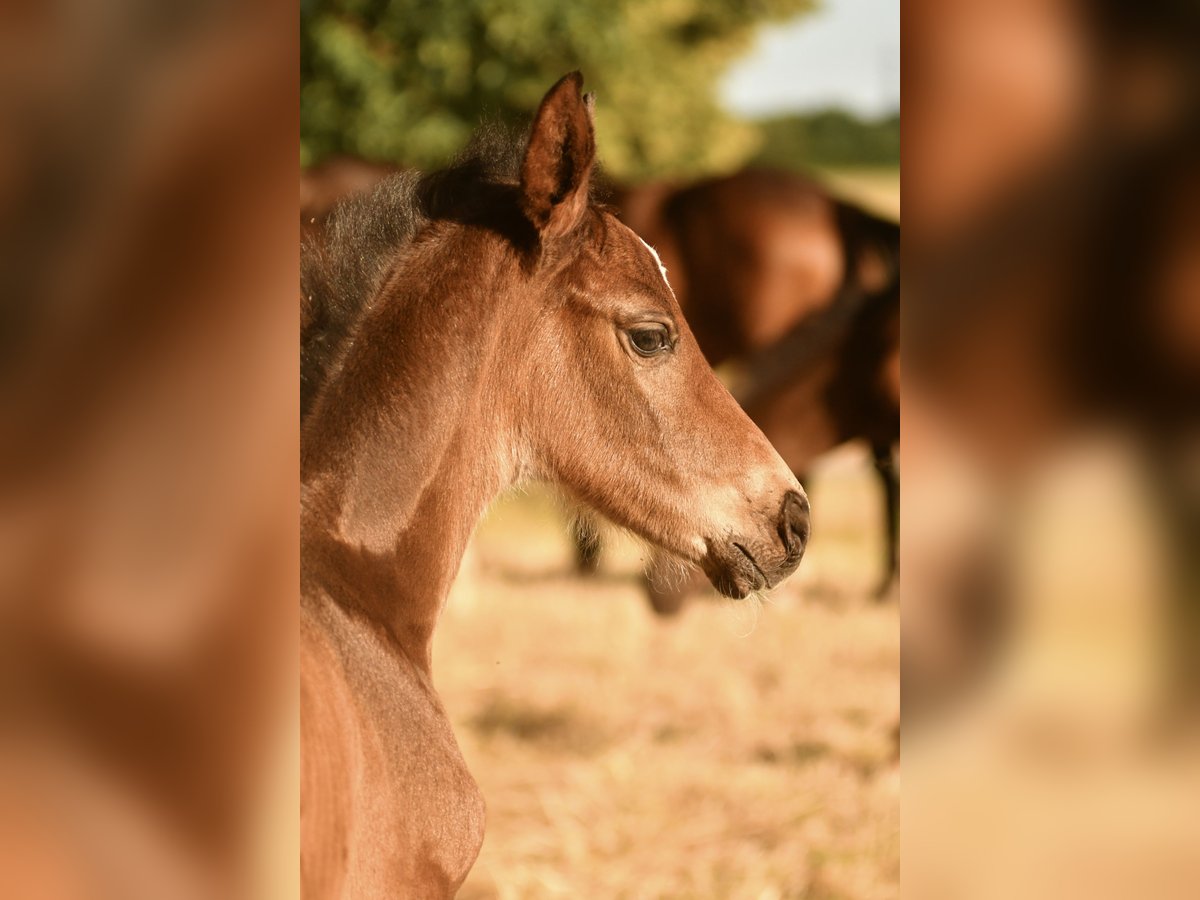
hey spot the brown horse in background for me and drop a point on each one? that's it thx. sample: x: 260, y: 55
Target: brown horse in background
x: 799, y: 292
x: 507, y: 328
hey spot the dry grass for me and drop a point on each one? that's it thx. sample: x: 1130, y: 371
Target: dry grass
x: 876, y: 189
x: 724, y: 754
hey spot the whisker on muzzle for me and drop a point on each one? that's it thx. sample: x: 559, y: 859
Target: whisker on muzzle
x: 748, y: 610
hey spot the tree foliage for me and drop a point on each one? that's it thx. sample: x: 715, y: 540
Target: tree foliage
x: 408, y: 80
x: 830, y: 137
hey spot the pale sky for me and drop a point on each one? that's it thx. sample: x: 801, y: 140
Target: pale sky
x: 846, y: 54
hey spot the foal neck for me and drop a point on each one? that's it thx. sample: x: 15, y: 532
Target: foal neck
x: 405, y: 449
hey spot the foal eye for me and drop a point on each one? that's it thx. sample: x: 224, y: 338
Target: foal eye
x: 649, y: 341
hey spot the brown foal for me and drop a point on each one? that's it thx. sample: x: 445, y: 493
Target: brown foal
x: 799, y: 291
x: 513, y: 330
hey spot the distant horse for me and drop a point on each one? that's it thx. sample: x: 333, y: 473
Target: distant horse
x: 508, y: 328
x: 799, y: 291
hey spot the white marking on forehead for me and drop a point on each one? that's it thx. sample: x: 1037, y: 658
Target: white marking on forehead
x: 654, y: 253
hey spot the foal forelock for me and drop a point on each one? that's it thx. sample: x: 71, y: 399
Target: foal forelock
x: 344, y: 267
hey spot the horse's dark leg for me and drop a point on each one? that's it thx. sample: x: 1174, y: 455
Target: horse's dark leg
x: 1177, y: 504
x: 885, y: 465
x: 586, y: 535
x: 668, y: 588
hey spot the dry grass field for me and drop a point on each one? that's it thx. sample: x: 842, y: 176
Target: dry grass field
x: 734, y: 752
x: 876, y: 189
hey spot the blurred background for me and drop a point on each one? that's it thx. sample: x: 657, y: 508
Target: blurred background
x: 641, y: 737
x: 687, y: 88
x: 148, y: 465
x: 1051, y: 338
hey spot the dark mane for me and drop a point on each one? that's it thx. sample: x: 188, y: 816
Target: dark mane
x: 342, y: 267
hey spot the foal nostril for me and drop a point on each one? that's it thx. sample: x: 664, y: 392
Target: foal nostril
x: 794, y: 523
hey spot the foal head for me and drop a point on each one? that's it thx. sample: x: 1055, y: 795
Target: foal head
x: 615, y: 399
x: 520, y: 329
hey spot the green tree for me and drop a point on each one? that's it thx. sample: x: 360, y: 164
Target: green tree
x: 830, y: 137
x: 408, y: 80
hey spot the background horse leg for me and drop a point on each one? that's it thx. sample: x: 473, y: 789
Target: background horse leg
x: 585, y: 534
x: 885, y: 465
x: 668, y: 586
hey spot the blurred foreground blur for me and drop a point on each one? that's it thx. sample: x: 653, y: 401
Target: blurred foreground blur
x: 148, y: 453
x: 1049, y: 521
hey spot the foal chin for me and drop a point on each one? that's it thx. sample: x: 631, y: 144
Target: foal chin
x: 746, y: 538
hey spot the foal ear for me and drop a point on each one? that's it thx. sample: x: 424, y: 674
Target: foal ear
x: 558, y: 162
